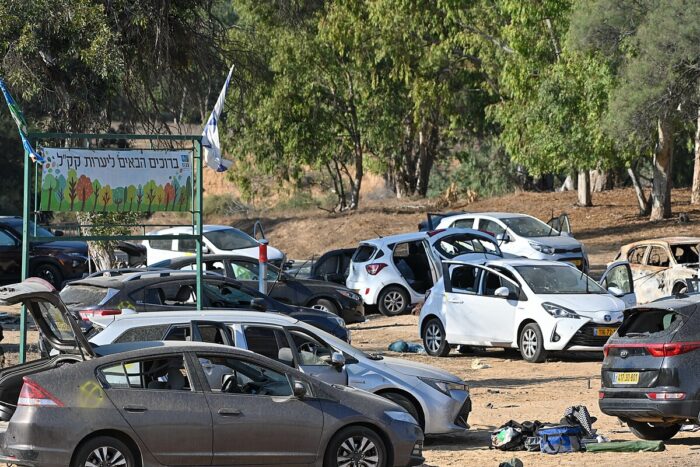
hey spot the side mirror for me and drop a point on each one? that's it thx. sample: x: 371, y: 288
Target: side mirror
x: 299, y: 390
x: 338, y: 360
x: 205, y: 249
x: 616, y: 291
x: 258, y: 304
x: 58, y: 233
x: 503, y: 237
x: 502, y: 292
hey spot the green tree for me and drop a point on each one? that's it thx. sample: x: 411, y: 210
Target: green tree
x: 71, y: 187
x: 96, y: 187
x: 150, y: 191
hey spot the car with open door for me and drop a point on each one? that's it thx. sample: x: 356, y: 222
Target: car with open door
x: 182, y: 403
x: 281, y: 285
x: 437, y: 399
x: 525, y: 236
x: 649, y: 378
x: 534, y: 306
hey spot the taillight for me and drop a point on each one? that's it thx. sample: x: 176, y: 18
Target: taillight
x: 33, y: 395
x: 601, y: 394
x: 87, y: 314
x: 374, y: 268
x: 658, y: 350
x: 606, y: 350
x: 666, y: 396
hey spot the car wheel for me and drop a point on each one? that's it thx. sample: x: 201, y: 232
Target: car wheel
x: 531, y: 344
x: 406, y: 404
x: 325, y: 305
x: 393, y: 301
x: 434, y: 339
x: 653, y: 432
x: 104, y: 451
x: 49, y: 273
x: 356, y: 445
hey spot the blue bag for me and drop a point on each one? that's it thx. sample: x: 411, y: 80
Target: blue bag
x: 558, y: 439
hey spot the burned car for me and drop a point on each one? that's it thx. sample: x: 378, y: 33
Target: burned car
x: 661, y: 266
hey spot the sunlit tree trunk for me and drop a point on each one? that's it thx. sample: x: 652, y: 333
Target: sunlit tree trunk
x: 663, y: 163
x: 584, y: 188
x: 695, y: 194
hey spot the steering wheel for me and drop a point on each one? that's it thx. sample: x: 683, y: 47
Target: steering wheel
x: 308, y: 347
x: 231, y: 385
x: 254, y: 388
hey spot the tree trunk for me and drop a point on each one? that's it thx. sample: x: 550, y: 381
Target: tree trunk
x: 569, y: 184
x: 695, y: 194
x: 584, y: 189
x: 642, y: 200
x: 663, y: 164
x: 601, y: 180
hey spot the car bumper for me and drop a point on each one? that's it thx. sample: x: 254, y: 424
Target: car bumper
x: 578, y: 335
x: 17, y: 446
x: 367, y: 291
x: 407, y: 441
x: 633, y: 405
x: 447, y: 415
x: 353, y: 312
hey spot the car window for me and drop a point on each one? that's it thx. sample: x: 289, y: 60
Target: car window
x: 161, y: 244
x: 619, y: 277
x: 174, y: 294
x: 685, y: 254
x: 311, y: 351
x: 328, y: 266
x: 236, y: 376
x: 6, y: 239
x: 556, y: 279
x: 210, y: 334
x: 490, y: 227
x: 250, y: 271
x: 494, y: 281
x: 658, y: 257
x: 142, y: 334
x: 467, y: 223
x: 465, y: 279
x: 270, y: 342
x: 636, y: 255
x: 54, y: 318
x: 230, y: 239
x: 188, y: 245
x: 645, y: 323
x: 363, y: 253
x: 222, y: 295
x: 160, y: 373
x: 529, y: 227
x: 460, y: 244
x: 217, y: 267
x: 79, y: 296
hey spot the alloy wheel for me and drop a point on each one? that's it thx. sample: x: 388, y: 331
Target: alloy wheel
x: 529, y: 343
x: 320, y: 307
x: 47, y: 274
x: 105, y: 456
x: 393, y: 302
x: 358, y: 451
x: 433, y: 337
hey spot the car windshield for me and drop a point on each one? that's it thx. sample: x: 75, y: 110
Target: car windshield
x: 460, y: 244
x: 80, y: 296
x: 549, y: 279
x: 685, y: 254
x: 40, y: 231
x: 529, y: 227
x: 230, y: 239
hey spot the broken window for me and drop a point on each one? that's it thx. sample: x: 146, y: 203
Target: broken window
x: 154, y: 373
x: 644, y: 323
x: 465, y: 279
x: 658, y: 257
x: 636, y: 255
x: 363, y: 253
x: 685, y: 254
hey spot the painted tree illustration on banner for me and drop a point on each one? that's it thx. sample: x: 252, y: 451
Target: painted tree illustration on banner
x: 48, y: 181
x: 84, y: 189
x: 150, y: 191
x: 105, y: 197
x: 168, y: 195
x: 71, y: 190
x: 96, y: 186
x: 130, y: 196
x: 139, y: 197
x: 60, y: 186
x: 118, y: 197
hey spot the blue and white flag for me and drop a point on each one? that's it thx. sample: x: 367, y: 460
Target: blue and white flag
x: 210, y: 135
x: 18, y: 117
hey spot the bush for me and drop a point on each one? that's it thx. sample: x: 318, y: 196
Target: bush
x: 222, y: 205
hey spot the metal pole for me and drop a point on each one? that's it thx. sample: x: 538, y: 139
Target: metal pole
x: 25, y: 254
x: 198, y: 228
x: 262, y: 273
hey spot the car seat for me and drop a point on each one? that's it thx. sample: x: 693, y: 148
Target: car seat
x: 184, y: 293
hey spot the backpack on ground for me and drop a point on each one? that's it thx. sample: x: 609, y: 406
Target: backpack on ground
x: 560, y: 439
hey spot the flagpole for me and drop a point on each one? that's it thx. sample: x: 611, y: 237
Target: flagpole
x: 25, y: 255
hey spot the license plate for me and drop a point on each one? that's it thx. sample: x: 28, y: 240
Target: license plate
x: 603, y: 332
x: 625, y: 378
x: 575, y: 262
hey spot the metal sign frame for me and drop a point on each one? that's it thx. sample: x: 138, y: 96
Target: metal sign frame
x: 31, y: 214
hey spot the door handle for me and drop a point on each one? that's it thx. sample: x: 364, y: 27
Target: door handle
x: 229, y: 412
x: 455, y: 300
x: 135, y: 408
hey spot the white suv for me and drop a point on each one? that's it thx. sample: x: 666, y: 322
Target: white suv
x: 218, y: 239
x: 396, y: 271
x: 523, y: 235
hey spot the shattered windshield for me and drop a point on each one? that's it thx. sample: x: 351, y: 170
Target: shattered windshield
x: 685, y: 254
x: 529, y: 227
x: 455, y: 245
x: 548, y: 279
x: 230, y: 239
x: 55, y: 321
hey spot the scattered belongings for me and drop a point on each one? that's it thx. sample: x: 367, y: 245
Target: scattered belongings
x: 405, y: 347
x: 479, y: 365
x: 627, y: 446
x: 690, y: 428
x: 513, y: 462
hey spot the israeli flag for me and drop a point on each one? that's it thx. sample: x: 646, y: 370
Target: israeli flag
x: 210, y: 135
x: 21, y: 123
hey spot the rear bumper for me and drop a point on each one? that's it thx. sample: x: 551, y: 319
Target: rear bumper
x: 645, y: 410
x: 352, y: 313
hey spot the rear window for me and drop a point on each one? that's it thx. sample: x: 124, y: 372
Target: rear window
x: 142, y: 334
x: 645, y: 323
x: 161, y: 244
x: 82, y: 296
x: 363, y: 253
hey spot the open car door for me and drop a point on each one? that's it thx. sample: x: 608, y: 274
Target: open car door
x: 617, y: 280
x: 561, y: 223
x: 211, y: 332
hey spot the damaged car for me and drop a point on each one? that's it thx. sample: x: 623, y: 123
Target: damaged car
x: 182, y: 403
x: 534, y: 306
x: 661, y: 266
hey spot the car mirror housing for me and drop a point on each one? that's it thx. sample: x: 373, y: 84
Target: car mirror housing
x: 616, y: 291
x: 58, y: 233
x: 299, y: 390
x: 503, y: 237
x: 338, y: 360
x: 502, y: 292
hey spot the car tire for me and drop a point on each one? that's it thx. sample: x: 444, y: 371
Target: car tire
x: 104, y: 450
x: 325, y: 305
x: 531, y: 344
x: 406, y: 404
x: 349, y: 441
x: 393, y: 301
x: 434, y: 338
x: 651, y: 432
x: 49, y: 273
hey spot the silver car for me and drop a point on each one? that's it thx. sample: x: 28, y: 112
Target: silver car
x: 437, y: 399
x: 183, y: 403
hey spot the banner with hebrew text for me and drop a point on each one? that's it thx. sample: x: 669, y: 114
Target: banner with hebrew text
x: 116, y: 180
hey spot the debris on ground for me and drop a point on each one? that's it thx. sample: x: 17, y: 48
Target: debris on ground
x: 513, y: 462
x: 690, y: 428
x: 402, y: 346
x: 479, y: 365
x: 627, y: 446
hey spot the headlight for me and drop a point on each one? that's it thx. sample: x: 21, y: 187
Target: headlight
x: 559, y: 311
x: 547, y: 250
x: 339, y: 321
x: 400, y: 416
x: 351, y: 295
x: 444, y: 386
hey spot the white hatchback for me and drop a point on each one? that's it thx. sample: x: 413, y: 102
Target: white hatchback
x: 218, y: 239
x: 534, y: 306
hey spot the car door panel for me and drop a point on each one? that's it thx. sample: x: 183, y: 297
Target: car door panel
x: 10, y: 257
x: 619, y: 274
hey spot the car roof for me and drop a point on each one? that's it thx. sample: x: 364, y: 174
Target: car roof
x: 395, y: 238
x: 685, y: 305
x: 158, y: 275
x: 210, y: 257
x: 510, y: 262
x: 220, y: 315
x: 668, y: 240
x: 129, y: 350
x: 188, y: 229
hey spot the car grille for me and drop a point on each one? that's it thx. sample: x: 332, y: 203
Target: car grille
x: 561, y: 251
x: 585, y: 337
x: 463, y: 414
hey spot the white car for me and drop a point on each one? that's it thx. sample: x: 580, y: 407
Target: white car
x: 218, y: 239
x: 524, y: 236
x: 437, y: 399
x: 396, y: 271
x: 534, y: 306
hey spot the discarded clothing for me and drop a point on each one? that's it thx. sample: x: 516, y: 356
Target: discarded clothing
x: 627, y: 446
x: 512, y: 435
x: 578, y: 415
x: 404, y: 347
x: 514, y: 462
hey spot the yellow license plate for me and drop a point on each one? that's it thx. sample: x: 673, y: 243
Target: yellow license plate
x: 625, y: 378
x: 604, y: 332
x: 575, y: 262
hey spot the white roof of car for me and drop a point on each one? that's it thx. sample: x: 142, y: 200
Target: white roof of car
x: 187, y: 229
x: 166, y: 317
x: 478, y: 259
x: 495, y: 215
x: 396, y: 238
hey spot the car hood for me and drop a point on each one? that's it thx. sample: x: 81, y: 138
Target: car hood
x: 63, y: 245
x: 416, y: 369
x: 557, y: 241
x: 300, y: 311
x: 585, y: 302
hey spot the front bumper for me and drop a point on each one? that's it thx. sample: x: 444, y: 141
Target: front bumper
x: 352, y: 312
x: 578, y: 334
x: 407, y: 441
x: 634, y: 405
x: 445, y: 415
